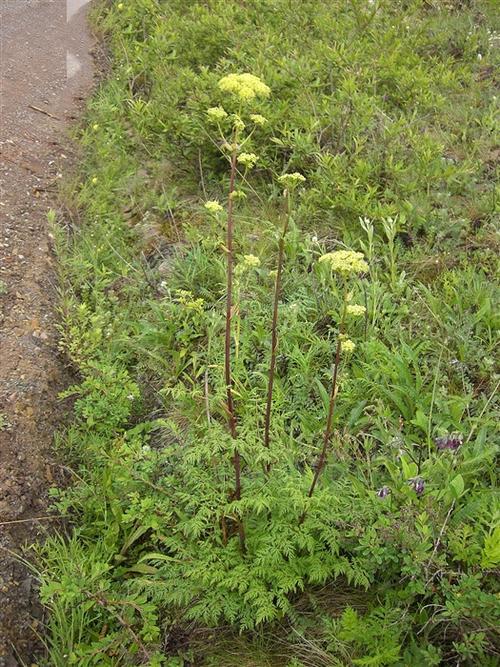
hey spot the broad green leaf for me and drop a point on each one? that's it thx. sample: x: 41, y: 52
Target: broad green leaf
x: 490, y: 556
x: 410, y: 469
x: 457, y: 486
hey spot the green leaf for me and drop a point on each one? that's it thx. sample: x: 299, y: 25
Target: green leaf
x: 457, y: 486
x: 133, y: 537
x: 421, y: 420
x: 490, y: 556
x: 142, y: 568
x: 325, y: 397
x: 154, y: 555
x: 410, y: 469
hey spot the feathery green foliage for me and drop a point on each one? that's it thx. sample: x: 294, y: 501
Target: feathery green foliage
x: 388, y: 112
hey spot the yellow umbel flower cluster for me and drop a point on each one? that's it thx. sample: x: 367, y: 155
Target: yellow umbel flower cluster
x: 251, y: 261
x: 355, y: 311
x: 238, y: 123
x: 258, y: 119
x: 248, y: 160
x: 216, y: 113
x: 245, y: 87
x: 248, y: 263
x: 345, y: 262
x: 347, y: 345
x: 213, y: 206
x: 291, y: 181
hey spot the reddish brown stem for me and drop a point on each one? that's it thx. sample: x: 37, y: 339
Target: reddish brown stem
x: 329, y: 423
x: 274, y: 330
x: 227, y: 348
x: 229, y: 301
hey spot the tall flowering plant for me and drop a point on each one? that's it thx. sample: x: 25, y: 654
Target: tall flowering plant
x: 243, y: 90
x: 345, y: 266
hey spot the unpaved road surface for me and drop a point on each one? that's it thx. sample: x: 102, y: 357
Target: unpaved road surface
x: 45, y: 73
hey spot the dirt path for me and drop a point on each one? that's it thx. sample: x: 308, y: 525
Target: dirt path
x: 45, y: 72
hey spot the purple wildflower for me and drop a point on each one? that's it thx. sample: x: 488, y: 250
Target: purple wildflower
x: 450, y: 441
x: 383, y: 492
x: 418, y: 485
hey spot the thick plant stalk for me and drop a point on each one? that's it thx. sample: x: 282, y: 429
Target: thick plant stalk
x: 329, y: 422
x: 227, y: 348
x: 274, y: 328
x: 229, y: 301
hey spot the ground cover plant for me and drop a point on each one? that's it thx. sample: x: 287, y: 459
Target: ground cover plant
x: 281, y: 305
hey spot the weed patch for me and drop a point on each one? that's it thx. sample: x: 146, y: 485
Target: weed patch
x: 282, y: 306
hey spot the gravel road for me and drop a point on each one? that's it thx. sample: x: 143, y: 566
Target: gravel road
x: 46, y: 71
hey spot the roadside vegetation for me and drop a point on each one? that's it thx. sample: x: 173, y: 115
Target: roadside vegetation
x: 280, y: 300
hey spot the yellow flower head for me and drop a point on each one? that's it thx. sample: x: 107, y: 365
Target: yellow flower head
x: 347, y: 345
x: 355, y: 310
x: 248, y: 263
x: 216, y: 114
x: 245, y: 87
x: 238, y: 124
x: 248, y: 160
x: 291, y: 180
x: 251, y: 261
x: 213, y: 206
x: 345, y: 262
x: 258, y: 119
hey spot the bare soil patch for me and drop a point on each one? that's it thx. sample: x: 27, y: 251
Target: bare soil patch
x: 46, y: 71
